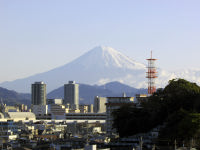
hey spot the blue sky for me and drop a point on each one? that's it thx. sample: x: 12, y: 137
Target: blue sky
x: 39, y: 35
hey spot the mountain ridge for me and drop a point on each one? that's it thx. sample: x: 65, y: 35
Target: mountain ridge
x: 87, y: 93
x: 11, y: 97
x: 98, y: 66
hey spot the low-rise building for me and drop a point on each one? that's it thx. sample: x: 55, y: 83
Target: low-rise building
x: 40, y: 109
x: 141, y: 98
x: 16, y: 116
x: 85, y: 116
x: 112, y: 104
x: 11, y: 108
x: 86, y: 108
x: 58, y: 111
x: 55, y: 101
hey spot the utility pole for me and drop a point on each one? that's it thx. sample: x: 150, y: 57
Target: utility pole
x: 175, y: 144
x: 141, y: 143
x: 154, y: 147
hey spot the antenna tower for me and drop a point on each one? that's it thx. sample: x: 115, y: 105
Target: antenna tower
x: 151, y: 75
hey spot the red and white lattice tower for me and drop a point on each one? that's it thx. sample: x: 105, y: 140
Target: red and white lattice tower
x: 151, y: 75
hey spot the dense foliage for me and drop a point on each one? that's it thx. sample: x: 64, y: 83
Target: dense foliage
x: 177, y: 106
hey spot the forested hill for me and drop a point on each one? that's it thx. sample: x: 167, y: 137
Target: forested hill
x: 176, y: 108
x: 10, y: 97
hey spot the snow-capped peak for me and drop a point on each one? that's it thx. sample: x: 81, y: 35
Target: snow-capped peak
x: 107, y: 57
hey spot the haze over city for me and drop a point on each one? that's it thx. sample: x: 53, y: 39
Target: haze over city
x: 37, y: 36
x: 103, y: 74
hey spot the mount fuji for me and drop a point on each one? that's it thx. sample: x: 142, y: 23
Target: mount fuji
x: 98, y: 66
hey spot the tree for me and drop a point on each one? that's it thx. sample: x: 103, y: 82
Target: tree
x: 130, y: 121
x: 180, y: 93
x: 182, y: 125
x: 177, y: 105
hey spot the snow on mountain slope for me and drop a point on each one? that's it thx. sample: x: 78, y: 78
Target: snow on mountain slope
x: 192, y: 75
x: 107, y: 57
x: 99, y: 66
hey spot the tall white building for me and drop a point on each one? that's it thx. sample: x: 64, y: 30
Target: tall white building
x: 100, y: 104
x: 71, y: 95
x: 38, y: 93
